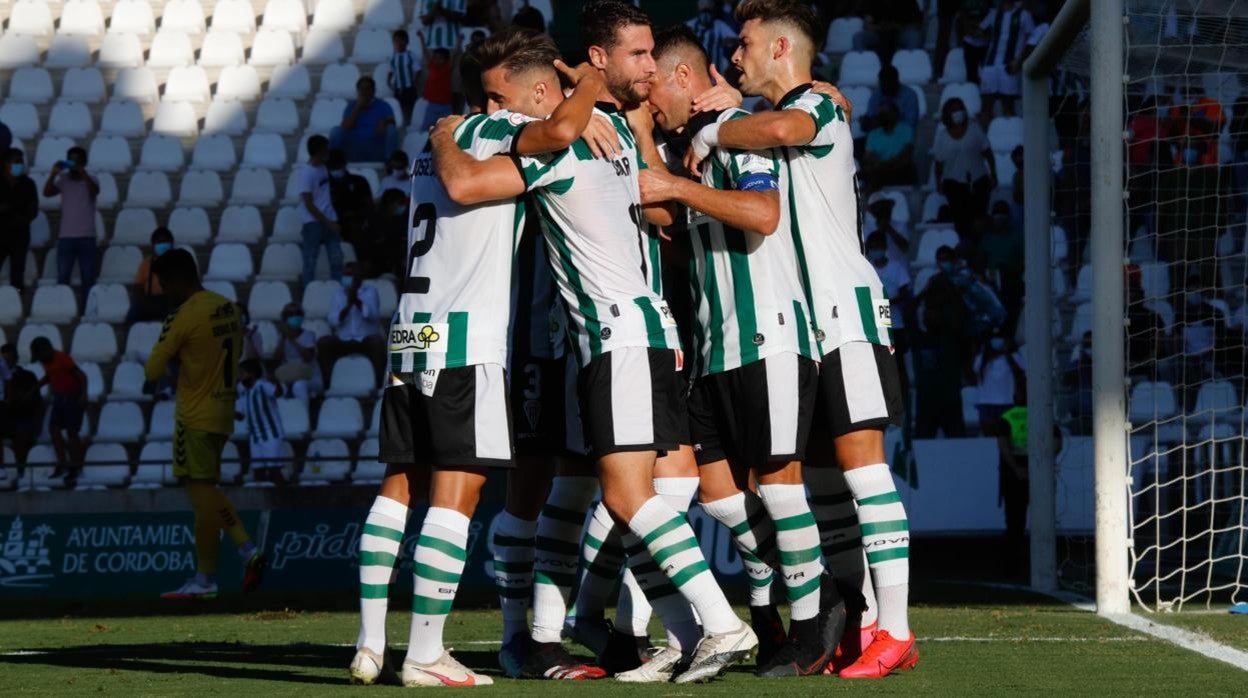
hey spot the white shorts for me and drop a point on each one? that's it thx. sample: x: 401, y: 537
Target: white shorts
x: 266, y: 454
x: 994, y: 80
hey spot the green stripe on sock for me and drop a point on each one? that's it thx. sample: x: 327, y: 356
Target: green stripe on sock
x: 876, y: 528
x: 383, y: 532
x: 430, y: 607
x: 749, y: 556
x: 799, y: 557
x: 682, y: 577
x: 510, y: 542
x: 556, y: 579
x: 875, y: 557
x: 434, y: 574
x: 662, y: 556
x: 442, y: 546
x: 663, y: 530
x: 565, y: 515
x: 513, y: 566
x: 370, y: 558
x: 886, y: 498
x: 762, y: 582
x: 795, y: 522
x: 801, y: 591
x: 374, y: 591
x: 559, y: 547
x: 750, y: 523
x: 593, y: 542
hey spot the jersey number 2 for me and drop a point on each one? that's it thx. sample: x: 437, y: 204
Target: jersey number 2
x: 426, y: 214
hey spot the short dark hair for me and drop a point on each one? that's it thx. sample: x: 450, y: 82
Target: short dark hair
x: 336, y: 160
x: 601, y: 21
x: 316, y: 144
x: 162, y: 233
x: 366, y: 80
x: 678, y: 37
x: 797, y: 14
x: 39, y: 344
x: 78, y: 153
x: 251, y: 366
x: 516, y: 50
x: 8, y: 349
x: 442, y: 53
x: 470, y: 79
x: 14, y: 154
x: 401, y: 35
x: 176, y: 265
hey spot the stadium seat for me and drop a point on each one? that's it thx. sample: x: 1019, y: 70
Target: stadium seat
x: 132, y: 17
x: 136, y: 85
x: 68, y: 51
x: 287, y: 225
x: 32, y: 17
x: 290, y: 16
x: 334, y: 15
x: 221, y: 49
x: 322, y: 260
x: 386, y: 15
x: 94, y: 341
x: 933, y: 239
x: 38, y: 478
x: 931, y: 207
x: 55, y: 304
x: 109, y: 197
x: 123, y: 119
x: 231, y: 465
x: 316, y: 297
x: 290, y: 82
x: 414, y: 142
x: 222, y: 288
x: 106, y: 466
x: 229, y: 262
x: 966, y: 91
x: 162, y: 153
x: 22, y: 118
x: 241, y: 224
x: 109, y: 154
x: 18, y: 51
x: 914, y: 66
x: 277, y: 116
x: 185, y: 16
x: 1155, y: 403
x: 368, y: 471
x: 226, y: 118
x: 1083, y: 285
x: 83, y: 85
x: 272, y: 47
x: 372, y: 46
x: 267, y: 300
x: 323, y: 47
x: 340, y: 417
x: 120, y: 422
x: 72, y: 119
x: 901, y: 206
x: 253, y: 186
x: 51, y: 150
x: 841, y: 34
x: 281, y: 262
x: 155, y: 466
x: 175, y: 119
x: 30, y: 84
x: 339, y: 80
x: 239, y: 82
x: 31, y: 330
x: 10, y: 303
x: 269, y: 338
x: 326, y: 114
x: 387, y: 295
x: 236, y: 16
x: 319, y: 328
x: 119, y: 263
x: 171, y: 49
x: 82, y: 18
x: 352, y: 376
x: 188, y: 84
x: 370, y: 176
x: 95, y: 380
x: 954, y: 68
x: 201, y: 188
x: 190, y: 226
x: 134, y: 227
x: 266, y: 151
x: 215, y: 152
x: 161, y: 428
x: 120, y: 51
x: 860, y: 68
x: 128, y: 380
x: 328, y: 461
x: 374, y: 424
x: 1155, y: 280
x: 32, y: 269
x: 105, y: 303
x: 295, y: 421
x: 1005, y: 133
x: 149, y: 189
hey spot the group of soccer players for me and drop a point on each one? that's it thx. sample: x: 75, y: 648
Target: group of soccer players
x: 571, y: 359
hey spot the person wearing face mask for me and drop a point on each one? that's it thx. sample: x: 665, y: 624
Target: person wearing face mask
x: 353, y: 316
x: 295, y: 355
x: 352, y: 197
x: 75, y: 244
x: 965, y: 167
x: 148, y: 302
x: 895, y: 276
x: 19, y: 205
x: 396, y: 174
x: 717, y: 37
x: 889, y: 157
x: 999, y: 375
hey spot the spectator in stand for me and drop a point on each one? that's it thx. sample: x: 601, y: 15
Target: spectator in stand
x: 396, y: 175
x: 439, y: 89
x: 1002, y: 247
x: 1204, y: 331
x: 889, y: 157
x: 387, y: 236
x: 148, y: 302
x: 965, y: 168
x: 999, y: 377
x: 253, y: 342
x: 938, y: 370
x: 404, y: 75
x: 21, y: 405
x: 352, y: 198
x: 78, y: 190
x: 890, y: 25
x: 266, y: 435
x: 717, y: 37
x: 1148, y: 349
x: 297, y: 368
x: 898, y: 244
x: 1007, y: 28
x: 19, y: 206
x: 895, y: 275
x: 367, y: 132
x: 320, y: 221
x: 354, y: 316
x: 69, y: 404
x: 442, y: 20
x: 891, y: 91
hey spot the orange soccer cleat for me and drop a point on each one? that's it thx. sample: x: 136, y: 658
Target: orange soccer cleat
x: 850, y: 648
x: 882, y: 657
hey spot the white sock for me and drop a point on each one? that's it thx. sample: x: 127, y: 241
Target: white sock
x: 441, y: 553
x: 744, y: 515
x: 839, y: 535
x: 379, y: 551
x: 886, y: 537
x: 678, y: 617
x: 513, y: 570
x: 602, y: 556
x: 797, y: 537
x: 557, y: 552
x: 671, y: 542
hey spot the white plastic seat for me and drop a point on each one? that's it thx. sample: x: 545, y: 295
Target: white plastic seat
x: 68, y: 51
x: 54, y: 304
x: 224, y: 289
x: 108, y: 196
x: 322, y: 260
x: 281, y: 262
x: 277, y: 116
x: 120, y: 51
x: 95, y: 380
x: 340, y: 417
x: 32, y: 17
x: 239, y: 82
x: 110, y: 154
x: 265, y: 151
x: 316, y: 295
x: 387, y: 15
x: 229, y: 262
x: 372, y: 46
x: 841, y: 34
x: 955, y: 67
x: 81, y: 18
x: 267, y: 300
x: 287, y: 225
x: 122, y: 118
x: 272, y: 47
x: 253, y: 186
x: 171, y: 49
x: 128, y: 380
x: 185, y: 16
x: 215, y: 152
x: 1155, y: 279
x: 931, y: 241
x: 36, y: 329
x: 290, y: 82
x: 94, y: 341
x: 860, y: 68
x: 968, y: 92
x: 414, y: 142
x: 334, y: 15
x: 201, y: 188
x: 152, y: 475
x: 226, y: 118
x: 190, y: 226
x: 83, y: 85
x: 241, y: 224
x: 51, y: 150
x: 33, y: 85
x: 932, y: 205
x: 22, y: 118
x: 161, y: 428
x: 901, y: 206
x: 176, y: 119
x: 328, y: 461
x: 149, y: 189
x: 290, y: 16
x: 132, y: 17
x: 71, y: 119
x: 140, y: 340
x: 120, y: 422
x: 326, y: 114
x: 237, y: 16
x: 10, y: 303
x: 339, y: 81
x: 1081, y: 323
x: 1155, y: 402
x: 352, y: 376
x: 119, y: 263
x: 107, y: 465
x: 374, y: 424
x: 31, y: 275
x: 188, y: 84
x: 18, y: 51
x: 295, y: 418
x: 134, y: 226
x: 162, y: 153
x: 136, y: 85
x: 914, y: 66
x: 220, y: 49
x: 380, y: 73
x: 1004, y: 134
x: 322, y: 47
x: 231, y: 464
x: 105, y: 303
x: 368, y: 471
x: 1217, y: 401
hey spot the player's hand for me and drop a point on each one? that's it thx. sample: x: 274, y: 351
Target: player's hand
x: 699, y: 148
x: 446, y: 126
x: 574, y: 76
x: 657, y: 187
x: 601, y: 137
x: 827, y: 88
x: 720, y: 97
x: 640, y: 118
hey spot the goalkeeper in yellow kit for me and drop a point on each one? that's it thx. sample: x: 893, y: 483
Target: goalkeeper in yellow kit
x: 205, y: 338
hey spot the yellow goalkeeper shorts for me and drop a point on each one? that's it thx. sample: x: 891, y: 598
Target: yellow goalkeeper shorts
x: 197, y: 454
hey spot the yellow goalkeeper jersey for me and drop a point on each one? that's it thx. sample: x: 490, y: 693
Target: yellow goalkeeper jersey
x: 205, y: 337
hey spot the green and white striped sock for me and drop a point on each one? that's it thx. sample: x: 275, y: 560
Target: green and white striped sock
x: 833, y: 506
x: 379, y: 551
x: 602, y: 556
x: 441, y: 552
x: 797, y: 537
x: 886, y: 537
x: 670, y: 541
x: 755, y: 536
x: 557, y: 552
x: 513, y: 570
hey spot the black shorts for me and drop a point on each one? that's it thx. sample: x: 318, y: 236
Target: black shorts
x: 450, y: 417
x: 859, y: 388
x: 544, y: 410
x: 757, y: 414
x: 633, y: 399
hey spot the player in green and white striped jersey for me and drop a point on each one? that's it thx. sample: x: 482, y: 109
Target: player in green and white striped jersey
x: 860, y: 391
x: 753, y: 398
x: 445, y: 405
x: 442, y: 20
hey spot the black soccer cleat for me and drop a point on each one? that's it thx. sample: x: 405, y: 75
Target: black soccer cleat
x: 623, y: 652
x: 769, y: 627
x: 549, y: 660
x: 834, y: 611
x: 801, y: 655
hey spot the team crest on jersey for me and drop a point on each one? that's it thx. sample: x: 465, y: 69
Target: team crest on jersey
x: 605, y: 334
x: 420, y: 337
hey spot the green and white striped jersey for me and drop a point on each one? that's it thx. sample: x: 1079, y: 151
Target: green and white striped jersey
x: 441, y: 32
x: 606, y: 265
x: 456, y: 300
x: 821, y: 185
x: 747, y: 294
x: 264, y: 422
